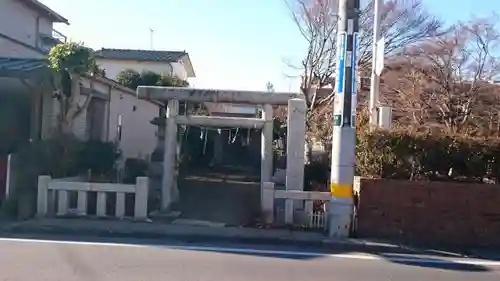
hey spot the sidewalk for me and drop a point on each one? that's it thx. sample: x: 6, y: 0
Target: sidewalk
x: 144, y: 230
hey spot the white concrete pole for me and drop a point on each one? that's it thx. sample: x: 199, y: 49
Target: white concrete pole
x: 344, y: 127
x: 170, y: 152
x: 375, y: 78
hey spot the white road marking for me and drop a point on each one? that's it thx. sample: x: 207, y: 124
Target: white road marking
x: 356, y: 256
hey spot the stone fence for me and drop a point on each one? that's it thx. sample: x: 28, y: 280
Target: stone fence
x: 49, y: 190
x: 299, y: 206
x: 431, y: 213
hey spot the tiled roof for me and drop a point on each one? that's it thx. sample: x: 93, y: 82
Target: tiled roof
x: 140, y: 55
x: 21, y: 67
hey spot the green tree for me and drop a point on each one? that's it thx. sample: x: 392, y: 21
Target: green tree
x: 70, y: 61
x: 132, y: 79
x: 172, y: 81
x: 129, y: 78
x: 149, y: 78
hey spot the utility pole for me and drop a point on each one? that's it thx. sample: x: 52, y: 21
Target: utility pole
x: 375, y: 77
x: 344, y: 121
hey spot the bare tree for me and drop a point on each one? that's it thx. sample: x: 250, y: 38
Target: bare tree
x: 459, y: 68
x: 317, y: 23
x: 404, y: 22
x: 410, y: 94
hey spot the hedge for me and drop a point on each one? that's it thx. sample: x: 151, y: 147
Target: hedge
x: 405, y: 155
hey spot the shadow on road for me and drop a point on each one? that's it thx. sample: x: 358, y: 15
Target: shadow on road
x: 437, y: 263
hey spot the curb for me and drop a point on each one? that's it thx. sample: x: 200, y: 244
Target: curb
x: 21, y: 229
x: 189, y: 237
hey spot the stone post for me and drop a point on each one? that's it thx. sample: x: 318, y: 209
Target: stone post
x: 295, y: 159
x: 267, y: 203
x: 170, y: 152
x: 160, y: 133
x: 10, y: 181
x: 42, y: 195
x: 141, y: 198
x: 266, y: 164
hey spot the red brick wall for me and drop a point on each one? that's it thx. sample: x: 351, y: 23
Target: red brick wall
x: 444, y: 213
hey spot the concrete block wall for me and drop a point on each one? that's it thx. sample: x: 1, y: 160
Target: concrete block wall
x: 432, y: 213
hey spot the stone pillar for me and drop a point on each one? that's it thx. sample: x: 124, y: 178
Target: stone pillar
x: 141, y: 198
x: 160, y: 122
x: 10, y: 181
x: 42, y: 195
x: 295, y: 159
x: 266, y: 154
x: 170, y: 151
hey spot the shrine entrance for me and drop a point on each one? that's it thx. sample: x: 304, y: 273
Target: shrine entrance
x: 235, y: 153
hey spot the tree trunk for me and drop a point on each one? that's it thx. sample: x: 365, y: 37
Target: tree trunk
x: 71, y: 107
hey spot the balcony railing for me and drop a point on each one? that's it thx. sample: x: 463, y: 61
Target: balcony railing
x: 59, y: 36
x: 47, y: 41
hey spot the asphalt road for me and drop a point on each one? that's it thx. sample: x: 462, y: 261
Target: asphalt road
x: 129, y: 260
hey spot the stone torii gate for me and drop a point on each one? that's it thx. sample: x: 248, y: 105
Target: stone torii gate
x: 295, y: 137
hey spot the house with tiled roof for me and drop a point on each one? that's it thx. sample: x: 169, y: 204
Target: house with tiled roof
x: 173, y: 63
x: 114, y: 113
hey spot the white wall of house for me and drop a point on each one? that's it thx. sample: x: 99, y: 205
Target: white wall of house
x: 21, y: 23
x: 113, y: 67
x: 179, y: 70
x: 138, y: 137
x: 11, y: 49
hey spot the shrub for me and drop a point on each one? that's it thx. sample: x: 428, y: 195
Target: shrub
x: 135, y: 167
x: 404, y: 155
x: 98, y: 157
x: 316, y: 173
x: 419, y: 156
x: 58, y: 157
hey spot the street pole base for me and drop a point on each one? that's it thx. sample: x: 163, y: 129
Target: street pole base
x: 339, y: 217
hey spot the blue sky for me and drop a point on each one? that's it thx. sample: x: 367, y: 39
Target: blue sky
x: 233, y: 44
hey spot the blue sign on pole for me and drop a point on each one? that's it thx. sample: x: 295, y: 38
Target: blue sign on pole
x: 341, y: 61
